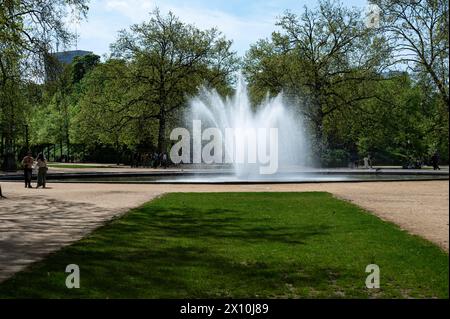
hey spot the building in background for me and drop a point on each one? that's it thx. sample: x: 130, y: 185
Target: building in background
x: 55, y: 62
x: 66, y: 57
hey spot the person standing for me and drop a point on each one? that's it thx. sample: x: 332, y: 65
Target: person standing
x: 354, y: 160
x: 42, y: 170
x: 164, y: 161
x: 435, y: 161
x: 366, y: 162
x: 27, y: 164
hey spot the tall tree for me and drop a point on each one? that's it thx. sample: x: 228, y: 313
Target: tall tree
x: 53, y: 117
x: 418, y: 31
x: 34, y: 27
x: 169, y: 60
x: 109, y: 107
x: 324, y: 59
x: 28, y: 30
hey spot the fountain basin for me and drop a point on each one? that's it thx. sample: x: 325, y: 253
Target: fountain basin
x: 213, y: 176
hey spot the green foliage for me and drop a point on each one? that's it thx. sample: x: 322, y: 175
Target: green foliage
x: 168, y: 61
x: 335, y: 158
x: 110, y: 109
x: 334, y: 68
x: 326, y: 61
x: 398, y: 126
x: 127, y: 101
x: 82, y: 65
x: 419, y: 32
x: 27, y: 29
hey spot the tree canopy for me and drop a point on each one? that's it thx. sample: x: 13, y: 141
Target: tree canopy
x: 362, y: 88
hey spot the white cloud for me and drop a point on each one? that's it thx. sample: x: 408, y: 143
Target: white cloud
x: 135, y: 10
x: 106, y: 17
x: 242, y: 30
x: 244, y: 22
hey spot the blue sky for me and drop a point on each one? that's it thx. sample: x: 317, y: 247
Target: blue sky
x: 243, y: 21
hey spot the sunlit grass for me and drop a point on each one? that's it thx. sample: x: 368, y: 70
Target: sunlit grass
x: 211, y: 245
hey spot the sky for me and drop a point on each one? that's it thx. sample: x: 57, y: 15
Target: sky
x: 243, y: 21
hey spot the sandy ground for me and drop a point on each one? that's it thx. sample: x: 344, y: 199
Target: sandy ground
x: 35, y: 222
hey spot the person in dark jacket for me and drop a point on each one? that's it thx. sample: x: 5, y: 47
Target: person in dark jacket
x: 435, y: 161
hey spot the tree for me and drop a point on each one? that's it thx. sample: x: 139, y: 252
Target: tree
x: 418, y: 31
x: 12, y: 115
x: 109, y: 108
x: 82, y: 65
x: 396, y: 129
x: 52, y: 118
x: 168, y: 60
x: 28, y: 28
x: 324, y: 60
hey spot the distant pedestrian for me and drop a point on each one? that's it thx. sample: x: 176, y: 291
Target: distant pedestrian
x: 366, y: 162
x: 27, y: 164
x: 354, y: 160
x: 42, y: 170
x: 435, y: 161
x: 164, y: 160
x: 155, y: 160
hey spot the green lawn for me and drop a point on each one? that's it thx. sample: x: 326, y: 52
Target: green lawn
x: 211, y: 245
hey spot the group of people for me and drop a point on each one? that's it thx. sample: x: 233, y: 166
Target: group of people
x: 29, y: 163
x: 411, y: 163
x: 150, y: 160
x: 355, y: 161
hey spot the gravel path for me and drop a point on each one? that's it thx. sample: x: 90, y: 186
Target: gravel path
x: 35, y: 222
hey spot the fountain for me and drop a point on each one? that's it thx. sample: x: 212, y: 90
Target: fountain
x: 208, y: 111
x: 251, y: 130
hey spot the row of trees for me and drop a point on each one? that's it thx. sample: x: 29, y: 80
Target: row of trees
x: 28, y: 28
x: 129, y: 102
x: 379, y: 88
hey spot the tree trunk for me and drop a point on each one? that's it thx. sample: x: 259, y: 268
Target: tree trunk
x: 68, y: 146
x: 440, y: 85
x: 9, y: 159
x: 118, y: 153
x: 61, y: 150
x: 162, y: 131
